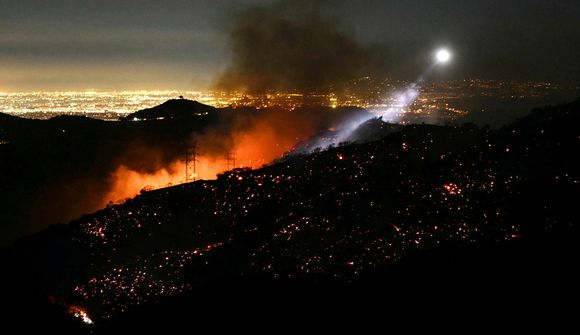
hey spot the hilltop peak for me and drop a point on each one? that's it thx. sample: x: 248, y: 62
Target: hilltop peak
x: 172, y: 109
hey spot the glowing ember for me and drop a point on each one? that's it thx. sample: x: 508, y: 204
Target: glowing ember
x: 452, y: 189
x: 80, y: 313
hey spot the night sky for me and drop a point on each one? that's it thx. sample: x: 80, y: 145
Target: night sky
x: 178, y: 44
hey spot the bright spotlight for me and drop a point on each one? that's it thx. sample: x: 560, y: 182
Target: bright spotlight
x: 442, y: 56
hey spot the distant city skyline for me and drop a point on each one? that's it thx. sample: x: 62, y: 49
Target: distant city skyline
x: 472, y: 100
x: 184, y: 45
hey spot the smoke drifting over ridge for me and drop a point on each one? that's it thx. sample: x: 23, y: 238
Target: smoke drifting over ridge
x: 289, y: 46
x: 295, y: 46
x: 256, y: 137
x: 284, y: 46
x: 87, y: 163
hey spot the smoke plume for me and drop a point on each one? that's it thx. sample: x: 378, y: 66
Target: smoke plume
x: 295, y: 46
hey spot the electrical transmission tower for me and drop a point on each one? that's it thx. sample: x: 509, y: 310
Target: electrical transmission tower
x: 231, y: 160
x: 190, y: 163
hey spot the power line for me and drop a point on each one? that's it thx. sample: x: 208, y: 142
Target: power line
x: 191, y: 163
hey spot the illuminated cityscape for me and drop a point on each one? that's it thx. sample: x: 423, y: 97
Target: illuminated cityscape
x: 436, y: 96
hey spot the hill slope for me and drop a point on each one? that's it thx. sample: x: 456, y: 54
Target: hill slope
x: 356, y: 218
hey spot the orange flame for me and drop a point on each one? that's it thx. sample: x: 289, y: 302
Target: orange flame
x: 265, y: 141
x: 80, y: 313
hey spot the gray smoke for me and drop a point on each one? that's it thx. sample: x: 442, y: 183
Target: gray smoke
x: 295, y: 46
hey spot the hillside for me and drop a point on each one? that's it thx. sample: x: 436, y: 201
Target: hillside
x: 358, y: 218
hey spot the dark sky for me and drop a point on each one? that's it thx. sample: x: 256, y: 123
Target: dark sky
x: 179, y: 44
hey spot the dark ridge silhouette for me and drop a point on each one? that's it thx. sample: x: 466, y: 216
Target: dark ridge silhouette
x: 74, y: 120
x: 173, y: 109
x: 7, y: 117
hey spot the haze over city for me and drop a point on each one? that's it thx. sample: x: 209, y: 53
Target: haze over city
x: 106, y: 45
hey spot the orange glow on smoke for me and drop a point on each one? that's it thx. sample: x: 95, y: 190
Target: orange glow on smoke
x: 262, y: 145
x: 267, y: 140
x: 127, y: 183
